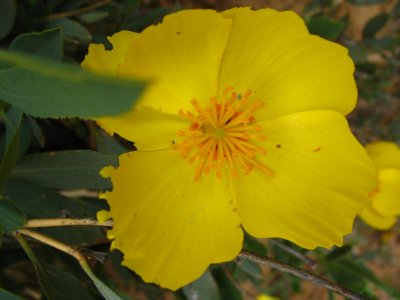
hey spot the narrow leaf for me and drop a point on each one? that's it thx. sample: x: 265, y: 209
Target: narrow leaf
x: 13, y: 120
x: 253, y: 245
x: 11, y: 218
x: 8, y: 10
x: 1, y: 237
x: 72, y: 29
x: 66, y: 169
x: 203, y: 288
x: 94, y: 16
x: 366, y: 2
x: 251, y: 269
x: 43, y: 88
x: 36, y: 201
x: 374, y: 25
x: 227, y: 288
x: 56, y: 284
x: 104, y: 290
x: 6, y: 295
x: 36, y: 131
x: 325, y: 27
x: 46, y: 44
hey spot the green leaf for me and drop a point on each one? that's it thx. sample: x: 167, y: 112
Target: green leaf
x: 40, y: 202
x: 94, y: 16
x: 6, y: 295
x: 251, y: 269
x: 46, y: 44
x: 338, y: 252
x: 227, y: 288
x: 254, y: 245
x: 108, y: 144
x: 366, y: 2
x: 56, y: 283
x: 71, y: 169
x: 11, y: 218
x: 341, y: 260
x: 104, y: 290
x: 13, y: 120
x: 325, y: 27
x: 344, y: 274
x: 43, y: 88
x: 374, y: 25
x: 281, y: 250
x: 346, y: 277
x: 358, y: 52
x: 139, y: 22
x: 25, y: 136
x: 386, y: 43
x: 72, y: 30
x: 358, y: 266
x: 203, y: 288
x: 79, y: 236
x: 8, y: 11
x: 66, y: 283
x: 36, y: 131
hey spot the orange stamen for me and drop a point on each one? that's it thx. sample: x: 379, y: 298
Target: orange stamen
x: 223, y: 134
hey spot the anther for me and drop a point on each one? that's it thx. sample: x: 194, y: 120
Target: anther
x: 222, y: 134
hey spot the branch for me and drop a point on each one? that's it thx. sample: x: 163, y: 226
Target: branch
x: 54, y: 243
x: 265, y: 260
x: 33, y: 223
x: 77, y: 11
x: 303, y: 274
x: 104, y: 290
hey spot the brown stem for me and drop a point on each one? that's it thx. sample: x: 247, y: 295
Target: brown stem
x: 54, y: 243
x: 64, y: 222
x: 78, y: 11
x: 303, y: 274
x: 102, y: 288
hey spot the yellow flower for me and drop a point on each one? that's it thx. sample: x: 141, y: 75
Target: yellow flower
x: 385, y: 206
x: 266, y: 297
x: 242, y: 126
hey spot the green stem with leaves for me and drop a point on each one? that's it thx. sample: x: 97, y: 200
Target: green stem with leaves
x: 301, y: 273
x: 107, y: 293
x: 265, y: 260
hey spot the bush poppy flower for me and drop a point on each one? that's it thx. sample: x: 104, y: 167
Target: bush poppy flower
x: 242, y: 126
x: 385, y: 206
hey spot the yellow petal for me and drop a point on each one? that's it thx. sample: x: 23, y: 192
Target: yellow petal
x: 376, y: 220
x: 107, y: 171
x: 266, y: 297
x: 104, y: 61
x: 321, y: 179
x: 384, y: 154
x: 103, y: 215
x: 386, y: 200
x: 169, y: 227
x: 148, y: 128
x: 181, y: 56
x: 272, y: 54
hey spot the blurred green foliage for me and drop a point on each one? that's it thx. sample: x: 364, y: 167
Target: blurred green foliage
x: 67, y: 154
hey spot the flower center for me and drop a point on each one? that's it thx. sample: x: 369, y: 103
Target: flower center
x: 222, y: 134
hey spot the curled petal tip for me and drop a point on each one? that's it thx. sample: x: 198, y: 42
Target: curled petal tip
x: 107, y: 172
x: 103, y: 215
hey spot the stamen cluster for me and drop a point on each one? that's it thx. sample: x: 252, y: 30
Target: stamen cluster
x: 222, y: 134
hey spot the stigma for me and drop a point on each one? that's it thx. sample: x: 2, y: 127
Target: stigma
x: 222, y: 136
